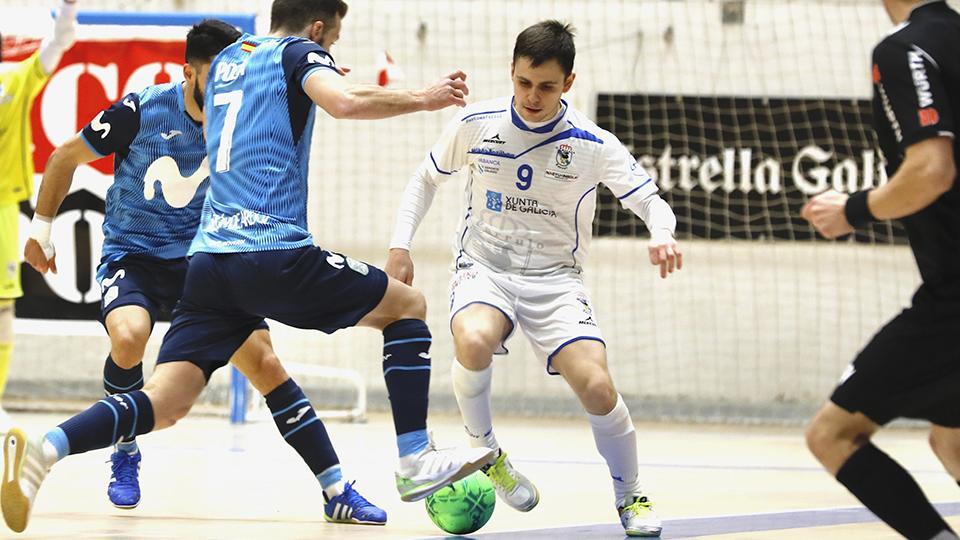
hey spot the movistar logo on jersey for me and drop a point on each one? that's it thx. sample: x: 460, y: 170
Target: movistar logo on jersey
x: 178, y: 190
x: 236, y: 222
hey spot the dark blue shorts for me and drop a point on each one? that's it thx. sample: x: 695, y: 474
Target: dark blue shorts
x: 135, y: 280
x: 227, y: 296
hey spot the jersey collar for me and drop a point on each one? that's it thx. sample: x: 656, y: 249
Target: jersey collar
x: 923, y: 4
x: 547, y: 128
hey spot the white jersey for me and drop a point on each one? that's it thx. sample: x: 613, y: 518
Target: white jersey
x: 531, y: 192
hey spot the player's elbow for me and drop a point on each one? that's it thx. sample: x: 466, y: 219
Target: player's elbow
x: 940, y: 176
x: 343, y: 107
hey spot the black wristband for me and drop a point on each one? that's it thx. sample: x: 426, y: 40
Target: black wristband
x: 857, y: 211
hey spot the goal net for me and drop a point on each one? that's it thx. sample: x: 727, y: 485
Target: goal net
x: 739, y: 109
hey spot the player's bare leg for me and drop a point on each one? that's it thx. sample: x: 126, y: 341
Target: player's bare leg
x: 835, y: 434
x: 424, y: 469
x: 478, y: 330
x: 946, y: 445
x: 129, y: 329
x: 300, y: 427
x: 840, y: 440
x: 166, y: 398
x: 583, y: 364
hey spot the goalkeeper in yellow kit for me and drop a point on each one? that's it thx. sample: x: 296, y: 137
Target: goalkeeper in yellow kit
x: 19, y: 86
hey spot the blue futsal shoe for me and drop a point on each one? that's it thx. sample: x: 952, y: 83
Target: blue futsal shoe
x: 351, y: 507
x: 124, y: 488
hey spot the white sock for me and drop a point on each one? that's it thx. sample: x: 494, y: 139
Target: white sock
x: 617, y: 442
x: 472, y: 389
x: 48, y: 453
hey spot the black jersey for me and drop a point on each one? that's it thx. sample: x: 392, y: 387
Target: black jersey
x: 916, y: 83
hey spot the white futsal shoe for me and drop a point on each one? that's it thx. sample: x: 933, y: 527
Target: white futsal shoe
x: 23, y: 472
x: 430, y: 470
x: 637, y: 516
x: 512, y: 487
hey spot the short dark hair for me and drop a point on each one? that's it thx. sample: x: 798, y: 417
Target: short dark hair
x: 207, y: 38
x: 545, y: 41
x: 297, y: 14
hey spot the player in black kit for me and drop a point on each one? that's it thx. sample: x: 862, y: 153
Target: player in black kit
x: 911, y: 367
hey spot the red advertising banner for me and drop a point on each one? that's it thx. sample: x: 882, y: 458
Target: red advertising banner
x: 91, y: 76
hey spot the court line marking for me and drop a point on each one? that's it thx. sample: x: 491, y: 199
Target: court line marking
x: 693, y: 527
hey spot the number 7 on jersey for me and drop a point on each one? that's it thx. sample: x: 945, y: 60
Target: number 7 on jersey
x: 232, y: 101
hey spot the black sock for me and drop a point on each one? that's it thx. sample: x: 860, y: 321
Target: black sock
x: 406, y: 370
x: 889, y: 491
x: 300, y: 427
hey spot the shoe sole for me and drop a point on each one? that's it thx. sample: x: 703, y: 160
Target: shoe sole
x: 651, y: 532
x: 426, y: 490
x: 125, y: 506
x: 15, y: 504
x: 353, y: 521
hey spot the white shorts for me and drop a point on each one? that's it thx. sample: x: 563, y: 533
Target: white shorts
x: 552, y: 311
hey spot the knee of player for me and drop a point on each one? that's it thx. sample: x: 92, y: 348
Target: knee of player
x: 415, y: 305
x: 598, y: 390
x: 127, y: 345
x: 474, y: 347
x: 822, y: 437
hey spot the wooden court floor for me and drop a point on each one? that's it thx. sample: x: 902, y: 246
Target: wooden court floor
x: 206, y: 479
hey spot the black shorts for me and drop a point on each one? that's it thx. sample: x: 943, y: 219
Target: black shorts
x: 228, y: 296
x: 135, y: 280
x: 911, y: 367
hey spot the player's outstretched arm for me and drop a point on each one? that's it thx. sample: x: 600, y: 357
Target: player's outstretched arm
x: 64, y: 34
x: 39, y: 251
x: 927, y: 172
x: 369, y: 102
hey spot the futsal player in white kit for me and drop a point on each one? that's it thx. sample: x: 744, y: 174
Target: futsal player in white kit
x: 534, y: 163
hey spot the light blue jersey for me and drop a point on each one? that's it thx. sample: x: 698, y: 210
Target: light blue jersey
x: 259, y: 126
x: 160, y: 174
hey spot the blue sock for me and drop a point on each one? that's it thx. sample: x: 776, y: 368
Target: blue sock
x: 406, y: 370
x: 104, y: 424
x: 116, y: 379
x: 300, y: 427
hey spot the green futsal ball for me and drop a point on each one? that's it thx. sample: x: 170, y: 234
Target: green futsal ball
x: 464, y: 506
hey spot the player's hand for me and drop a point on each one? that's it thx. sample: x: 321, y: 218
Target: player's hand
x: 36, y: 255
x: 39, y: 251
x: 826, y: 213
x: 343, y: 70
x: 450, y: 90
x: 400, y: 265
x: 665, y: 252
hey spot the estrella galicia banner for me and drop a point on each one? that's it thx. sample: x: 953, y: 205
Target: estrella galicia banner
x: 91, y: 76
x: 742, y: 167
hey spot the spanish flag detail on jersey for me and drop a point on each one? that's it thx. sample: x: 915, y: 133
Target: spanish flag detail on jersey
x: 19, y: 86
x: 248, y: 47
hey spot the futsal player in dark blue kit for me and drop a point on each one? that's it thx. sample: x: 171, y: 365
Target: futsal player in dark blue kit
x: 253, y: 258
